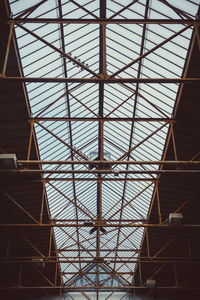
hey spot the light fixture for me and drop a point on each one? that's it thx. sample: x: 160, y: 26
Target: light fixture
x: 175, y: 218
x: 8, y: 161
x: 150, y: 283
x: 38, y: 262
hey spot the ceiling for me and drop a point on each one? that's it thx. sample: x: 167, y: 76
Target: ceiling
x: 94, y: 96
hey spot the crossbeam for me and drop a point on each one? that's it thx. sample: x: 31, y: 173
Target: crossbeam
x: 144, y: 225
x: 90, y: 288
x: 145, y: 260
x: 103, y: 20
x: 111, y: 162
x: 101, y: 80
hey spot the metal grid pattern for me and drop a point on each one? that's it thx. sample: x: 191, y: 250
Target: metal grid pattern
x: 120, y: 121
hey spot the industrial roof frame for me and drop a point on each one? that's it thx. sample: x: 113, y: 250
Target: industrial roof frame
x: 75, y: 156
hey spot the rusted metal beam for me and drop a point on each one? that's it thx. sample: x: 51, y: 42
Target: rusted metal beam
x: 119, y: 105
x: 101, y: 80
x: 84, y: 211
x: 49, y: 179
x: 34, y: 247
x: 62, y: 141
x: 141, y: 142
x: 111, y: 162
x: 42, y: 203
x: 164, y: 247
x: 21, y: 208
x: 103, y: 20
x: 72, y: 260
x: 100, y: 287
x: 69, y: 115
x: 177, y: 10
x: 30, y: 140
x: 174, y: 143
x: 69, y: 246
x: 84, y: 8
x: 196, y: 27
x: 158, y: 203
x: 45, y: 277
x: 128, y: 203
x: 29, y: 10
x: 63, y: 53
x: 147, y: 241
x: 104, y: 119
x: 91, y: 259
x: 135, y: 92
x: 189, y: 226
x: 84, y: 105
x: 102, y: 250
x: 8, y: 49
x: 80, y: 289
x: 118, y: 288
x: 151, y: 50
x: 170, y: 135
x: 78, y: 243
x: 93, y: 273
x: 86, y: 220
x: 33, y: 171
x: 122, y: 9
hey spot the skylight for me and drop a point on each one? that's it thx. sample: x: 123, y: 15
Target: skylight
x: 68, y: 126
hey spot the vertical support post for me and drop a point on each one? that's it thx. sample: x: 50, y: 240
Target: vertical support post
x: 140, y: 274
x: 158, y: 204
x: 62, y: 36
x: 196, y: 28
x: 56, y: 273
x: 102, y: 71
x: 101, y: 124
x: 147, y: 239
x: 175, y: 274
x: 103, y: 30
x: 8, y: 49
x: 30, y: 141
x: 50, y: 241
x: 174, y: 143
x: 61, y: 285
x: 42, y: 204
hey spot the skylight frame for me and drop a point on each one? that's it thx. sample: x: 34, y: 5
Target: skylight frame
x: 119, y: 129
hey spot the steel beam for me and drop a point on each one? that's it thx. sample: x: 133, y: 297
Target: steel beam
x: 188, y: 226
x: 72, y: 260
x: 102, y: 20
x: 111, y: 162
x: 49, y: 179
x: 101, y: 80
x: 100, y: 287
x: 150, y: 51
x: 34, y: 171
x: 104, y: 119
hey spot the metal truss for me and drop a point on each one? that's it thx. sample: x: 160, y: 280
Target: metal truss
x: 113, y: 220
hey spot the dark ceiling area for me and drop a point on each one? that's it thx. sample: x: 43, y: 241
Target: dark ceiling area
x: 32, y: 262
x: 179, y: 192
x: 21, y: 197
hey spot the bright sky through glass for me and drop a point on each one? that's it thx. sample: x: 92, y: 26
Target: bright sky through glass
x: 123, y: 43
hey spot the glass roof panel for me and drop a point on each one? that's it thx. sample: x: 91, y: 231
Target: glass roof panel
x: 72, y: 50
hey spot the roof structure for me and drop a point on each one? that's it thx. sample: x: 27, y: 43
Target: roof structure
x: 102, y: 83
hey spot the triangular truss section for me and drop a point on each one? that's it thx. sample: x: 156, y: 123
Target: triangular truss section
x: 107, y: 276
